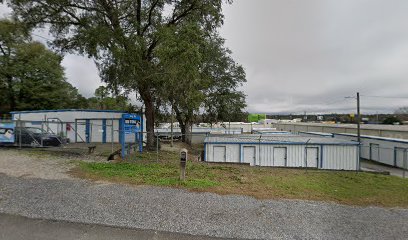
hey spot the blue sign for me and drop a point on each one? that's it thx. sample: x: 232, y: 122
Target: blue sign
x: 7, y: 133
x: 131, y: 124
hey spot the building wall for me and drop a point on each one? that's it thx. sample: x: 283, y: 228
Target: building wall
x: 232, y: 153
x: 387, y: 154
x: 66, y: 116
x: 341, y: 157
x: 77, y: 131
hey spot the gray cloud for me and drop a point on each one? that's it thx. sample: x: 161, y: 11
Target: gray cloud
x: 306, y: 55
x: 303, y: 55
x: 82, y: 73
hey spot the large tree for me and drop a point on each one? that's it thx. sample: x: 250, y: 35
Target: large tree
x: 201, y: 76
x: 31, y: 76
x: 122, y: 35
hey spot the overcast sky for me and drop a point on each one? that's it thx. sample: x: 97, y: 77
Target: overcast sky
x: 307, y: 55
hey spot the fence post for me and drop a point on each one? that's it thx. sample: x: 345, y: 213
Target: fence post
x: 112, y: 136
x: 157, y: 146
x: 19, y: 132
x: 405, y: 164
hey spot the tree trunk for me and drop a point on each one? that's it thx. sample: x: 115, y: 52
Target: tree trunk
x: 149, y: 114
x: 185, y: 126
x: 11, y: 95
x: 183, y: 132
x: 188, y: 133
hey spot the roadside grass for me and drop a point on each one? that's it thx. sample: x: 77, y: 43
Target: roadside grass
x: 260, y: 182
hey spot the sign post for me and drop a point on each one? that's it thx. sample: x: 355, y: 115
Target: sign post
x: 130, y: 124
x: 183, y: 163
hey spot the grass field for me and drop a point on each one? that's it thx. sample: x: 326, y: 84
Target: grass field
x: 260, y: 182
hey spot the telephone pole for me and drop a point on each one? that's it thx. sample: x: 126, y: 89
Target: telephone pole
x: 358, y: 117
x: 358, y: 129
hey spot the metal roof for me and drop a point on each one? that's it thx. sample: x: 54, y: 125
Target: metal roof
x: 318, y: 134
x: 275, y: 139
x: 67, y: 110
x: 350, y: 125
x: 374, y: 137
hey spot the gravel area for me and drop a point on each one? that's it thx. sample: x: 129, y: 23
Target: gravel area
x: 176, y: 210
x: 22, y: 163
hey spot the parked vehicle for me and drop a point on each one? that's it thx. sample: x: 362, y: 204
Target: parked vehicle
x: 37, y: 137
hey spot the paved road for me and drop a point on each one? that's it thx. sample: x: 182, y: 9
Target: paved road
x: 370, y: 165
x: 20, y: 228
x: 179, y: 211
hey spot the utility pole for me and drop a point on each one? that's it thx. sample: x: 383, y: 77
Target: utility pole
x: 358, y: 117
x: 358, y: 129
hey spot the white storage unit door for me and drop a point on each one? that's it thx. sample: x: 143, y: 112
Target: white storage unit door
x: 400, y: 157
x: 219, y: 154
x: 312, y: 157
x: 249, y: 155
x: 374, y: 151
x: 279, y: 156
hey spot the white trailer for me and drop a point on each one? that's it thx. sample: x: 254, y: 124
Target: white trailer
x: 389, y: 151
x: 283, y: 151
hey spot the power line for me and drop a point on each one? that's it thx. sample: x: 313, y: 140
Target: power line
x: 41, y: 36
x: 384, y: 97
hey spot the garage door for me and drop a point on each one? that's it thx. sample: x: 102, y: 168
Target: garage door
x: 249, y: 155
x: 312, y: 157
x: 374, y: 152
x: 400, y: 157
x: 279, y: 156
x: 219, y: 154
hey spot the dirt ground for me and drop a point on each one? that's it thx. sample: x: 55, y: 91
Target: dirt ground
x: 50, y: 163
x: 21, y: 163
x: 58, y: 163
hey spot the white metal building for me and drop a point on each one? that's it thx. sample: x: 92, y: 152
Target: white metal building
x: 390, y: 151
x: 79, y: 125
x: 283, y: 151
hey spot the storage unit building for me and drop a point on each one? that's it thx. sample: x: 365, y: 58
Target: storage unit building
x: 283, y: 151
x: 79, y: 125
x: 389, y: 151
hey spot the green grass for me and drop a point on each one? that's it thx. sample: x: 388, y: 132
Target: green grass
x: 264, y: 183
x: 150, y: 174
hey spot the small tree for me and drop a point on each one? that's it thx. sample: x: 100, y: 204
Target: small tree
x: 392, y: 120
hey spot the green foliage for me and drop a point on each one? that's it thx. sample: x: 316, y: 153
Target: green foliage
x: 104, y: 100
x: 124, y: 37
x: 146, y: 173
x: 31, y: 76
x: 255, y: 117
x: 392, y: 120
x: 200, y: 76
